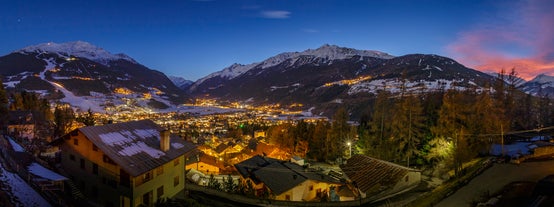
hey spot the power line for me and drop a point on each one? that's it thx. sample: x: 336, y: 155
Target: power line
x: 537, y: 130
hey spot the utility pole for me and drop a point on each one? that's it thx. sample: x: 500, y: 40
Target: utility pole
x: 185, y: 180
x: 502, y: 137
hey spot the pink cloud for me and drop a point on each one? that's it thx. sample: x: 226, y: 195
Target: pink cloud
x: 524, y: 42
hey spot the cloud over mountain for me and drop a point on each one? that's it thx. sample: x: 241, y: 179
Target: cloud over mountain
x: 494, y: 45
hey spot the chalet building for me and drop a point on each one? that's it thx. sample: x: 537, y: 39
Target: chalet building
x: 125, y: 164
x: 259, y: 134
x: 283, y: 180
x: 228, y: 149
x: 374, y: 177
x: 204, y: 163
x: 21, y: 124
x: 269, y: 150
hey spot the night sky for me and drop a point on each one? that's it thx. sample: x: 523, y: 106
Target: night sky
x: 193, y: 38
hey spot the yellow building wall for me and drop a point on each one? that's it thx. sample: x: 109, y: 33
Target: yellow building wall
x: 302, y: 191
x: 102, y: 187
x: 85, y: 148
x: 203, y: 167
x: 166, y: 179
x: 294, y: 194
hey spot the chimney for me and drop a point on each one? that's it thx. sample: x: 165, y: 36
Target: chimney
x: 164, y: 140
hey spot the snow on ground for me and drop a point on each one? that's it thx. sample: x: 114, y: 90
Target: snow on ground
x: 11, y: 84
x: 202, y: 110
x: 511, y: 149
x: 394, y: 85
x: 19, y: 191
x: 81, y: 102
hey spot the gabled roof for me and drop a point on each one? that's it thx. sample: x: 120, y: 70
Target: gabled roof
x: 205, y: 158
x: 370, y: 173
x: 248, y: 166
x: 278, y: 175
x: 310, y: 174
x: 135, y: 145
x: 278, y: 178
x: 221, y: 147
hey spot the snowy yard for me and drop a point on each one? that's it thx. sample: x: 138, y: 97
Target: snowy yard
x: 20, y: 192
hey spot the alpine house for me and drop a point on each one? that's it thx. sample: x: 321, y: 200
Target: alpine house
x: 125, y: 164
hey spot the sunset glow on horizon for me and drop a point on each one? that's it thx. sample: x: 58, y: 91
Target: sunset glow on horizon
x: 520, y: 39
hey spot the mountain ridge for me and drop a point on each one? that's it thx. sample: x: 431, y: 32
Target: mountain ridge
x: 326, y: 51
x: 321, y: 77
x: 77, y: 49
x: 82, y: 73
x: 350, y: 65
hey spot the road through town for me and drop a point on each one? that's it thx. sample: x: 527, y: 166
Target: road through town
x: 496, y: 177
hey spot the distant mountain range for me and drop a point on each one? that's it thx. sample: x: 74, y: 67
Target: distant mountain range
x: 89, y: 76
x: 180, y: 82
x: 332, y: 75
x: 542, y: 85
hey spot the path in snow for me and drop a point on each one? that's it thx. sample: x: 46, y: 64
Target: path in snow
x: 81, y: 102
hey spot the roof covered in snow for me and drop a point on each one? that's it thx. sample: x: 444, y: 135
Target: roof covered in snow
x: 39, y: 170
x: 135, y: 146
x: 19, y: 192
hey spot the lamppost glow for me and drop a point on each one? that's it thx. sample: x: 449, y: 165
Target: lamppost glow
x: 349, y: 149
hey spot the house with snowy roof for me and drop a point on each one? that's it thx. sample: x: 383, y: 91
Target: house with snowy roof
x: 283, y: 180
x: 125, y: 164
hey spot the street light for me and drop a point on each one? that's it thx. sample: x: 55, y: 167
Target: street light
x: 349, y: 149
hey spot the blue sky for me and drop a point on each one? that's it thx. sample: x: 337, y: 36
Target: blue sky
x: 193, y: 38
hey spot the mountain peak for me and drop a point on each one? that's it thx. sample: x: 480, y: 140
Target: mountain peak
x: 78, y: 49
x: 326, y: 52
x: 180, y: 82
x: 337, y: 52
x: 543, y: 78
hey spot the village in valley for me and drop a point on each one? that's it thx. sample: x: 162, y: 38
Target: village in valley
x: 314, y: 103
x: 133, y: 158
x: 236, y: 152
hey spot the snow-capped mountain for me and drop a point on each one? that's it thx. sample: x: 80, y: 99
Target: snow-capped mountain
x: 77, y: 49
x: 542, y: 85
x: 325, y: 53
x: 87, y: 77
x: 180, y: 82
x: 331, y: 74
